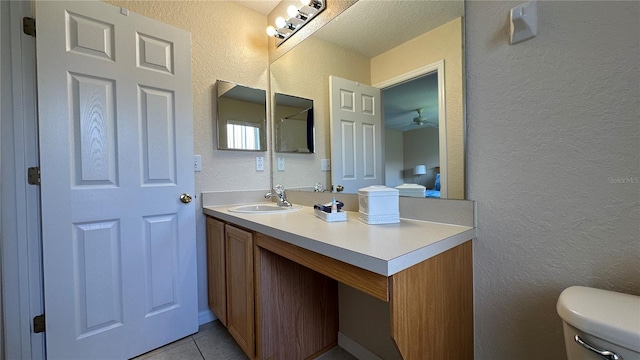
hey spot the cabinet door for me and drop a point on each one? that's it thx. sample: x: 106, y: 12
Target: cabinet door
x: 240, y: 291
x: 216, y: 269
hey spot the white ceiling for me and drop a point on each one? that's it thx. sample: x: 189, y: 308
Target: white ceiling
x: 371, y: 27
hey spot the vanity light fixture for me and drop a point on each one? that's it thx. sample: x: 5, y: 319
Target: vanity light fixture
x: 284, y: 24
x: 295, y: 13
x: 271, y: 31
x: 298, y: 17
x: 314, y: 3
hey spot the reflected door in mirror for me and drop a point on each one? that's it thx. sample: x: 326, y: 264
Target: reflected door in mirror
x: 356, y: 135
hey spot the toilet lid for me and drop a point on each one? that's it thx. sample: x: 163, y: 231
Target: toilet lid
x: 609, y: 315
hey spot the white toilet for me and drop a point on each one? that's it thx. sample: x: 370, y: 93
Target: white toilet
x: 600, y: 324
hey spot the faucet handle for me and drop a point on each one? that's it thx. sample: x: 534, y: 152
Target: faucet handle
x: 279, y: 189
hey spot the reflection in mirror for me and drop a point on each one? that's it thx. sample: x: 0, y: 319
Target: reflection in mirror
x: 293, y: 124
x: 412, y: 117
x: 365, y: 45
x: 241, y: 117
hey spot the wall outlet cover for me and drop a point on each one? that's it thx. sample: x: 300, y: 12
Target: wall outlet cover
x: 259, y: 163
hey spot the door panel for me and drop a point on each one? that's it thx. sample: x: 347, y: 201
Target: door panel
x: 99, y: 277
x: 158, y: 136
x: 161, y: 240
x: 116, y: 147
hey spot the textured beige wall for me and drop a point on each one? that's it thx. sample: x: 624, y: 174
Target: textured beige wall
x: 444, y: 42
x: 367, y: 321
x: 554, y: 138
x: 228, y: 42
x: 304, y: 72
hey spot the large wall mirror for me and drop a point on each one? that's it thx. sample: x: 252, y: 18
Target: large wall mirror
x: 419, y: 68
x: 242, y: 117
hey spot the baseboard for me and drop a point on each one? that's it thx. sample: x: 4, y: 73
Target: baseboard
x: 355, y: 349
x: 206, y: 316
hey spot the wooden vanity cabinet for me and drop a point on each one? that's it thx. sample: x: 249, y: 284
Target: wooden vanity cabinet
x: 216, y: 268
x: 240, y: 289
x: 282, y: 300
x: 230, y: 281
x: 281, y: 310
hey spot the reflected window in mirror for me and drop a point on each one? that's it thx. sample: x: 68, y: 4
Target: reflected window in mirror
x: 241, y: 117
x: 294, y: 124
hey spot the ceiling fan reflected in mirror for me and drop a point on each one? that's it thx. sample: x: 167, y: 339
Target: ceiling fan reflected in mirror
x: 418, y: 121
x: 421, y: 120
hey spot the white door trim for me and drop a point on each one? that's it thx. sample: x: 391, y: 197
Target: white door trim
x: 442, y: 123
x: 21, y: 263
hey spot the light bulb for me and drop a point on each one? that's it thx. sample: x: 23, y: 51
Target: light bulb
x: 281, y: 22
x: 292, y: 11
x: 305, y: 2
x: 271, y: 31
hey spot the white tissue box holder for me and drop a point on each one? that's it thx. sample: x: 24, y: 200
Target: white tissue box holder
x: 411, y: 190
x: 378, y: 205
x: 331, y: 217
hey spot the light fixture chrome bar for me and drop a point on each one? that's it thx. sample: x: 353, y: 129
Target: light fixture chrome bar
x: 298, y: 18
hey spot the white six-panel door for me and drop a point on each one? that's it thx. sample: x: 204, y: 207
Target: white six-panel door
x: 356, y: 135
x: 116, y: 147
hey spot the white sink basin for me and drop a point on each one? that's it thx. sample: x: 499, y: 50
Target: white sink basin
x: 264, y: 209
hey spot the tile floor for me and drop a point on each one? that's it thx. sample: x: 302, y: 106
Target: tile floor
x: 213, y: 342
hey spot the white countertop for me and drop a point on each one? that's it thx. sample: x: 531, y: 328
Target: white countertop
x: 382, y: 249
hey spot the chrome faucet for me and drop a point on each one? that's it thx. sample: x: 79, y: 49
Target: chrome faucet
x: 281, y: 194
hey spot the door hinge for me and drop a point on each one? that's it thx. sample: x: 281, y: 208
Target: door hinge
x: 38, y: 324
x: 29, y: 26
x: 33, y: 176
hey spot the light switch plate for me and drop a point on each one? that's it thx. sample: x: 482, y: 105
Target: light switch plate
x: 325, y: 164
x: 259, y: 163
x: 197, y: 163
x: 281, y: 166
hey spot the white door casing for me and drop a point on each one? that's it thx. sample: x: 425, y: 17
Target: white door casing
x: 356, y: 135
x: 116, y: 143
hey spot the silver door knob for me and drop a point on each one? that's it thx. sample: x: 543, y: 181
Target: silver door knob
x: 339, y: 188
x: 185, y: 198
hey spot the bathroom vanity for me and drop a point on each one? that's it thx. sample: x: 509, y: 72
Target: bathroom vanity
x: 273, y: 281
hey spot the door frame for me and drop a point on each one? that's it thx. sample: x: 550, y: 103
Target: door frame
x: 20, y: 242
x: 438, y: 67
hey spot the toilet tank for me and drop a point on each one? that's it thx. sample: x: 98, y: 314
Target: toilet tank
x: 601, y: 320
